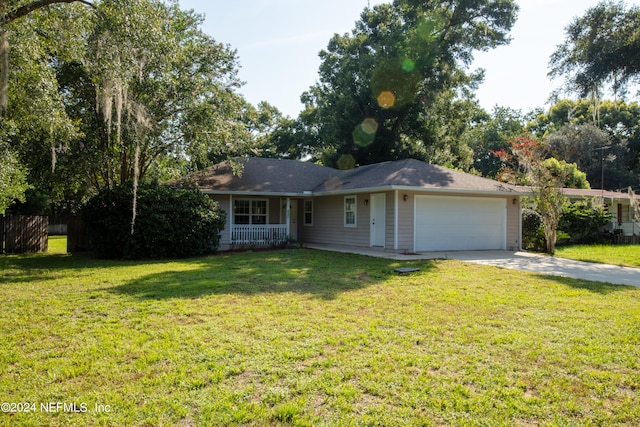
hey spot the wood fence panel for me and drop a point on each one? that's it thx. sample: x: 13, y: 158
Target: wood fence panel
x: 77, y: 235
x: 25, y: 234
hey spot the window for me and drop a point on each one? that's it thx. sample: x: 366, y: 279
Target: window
x: 350, y: 211
x: 252, y: 212
x: 308, y: 212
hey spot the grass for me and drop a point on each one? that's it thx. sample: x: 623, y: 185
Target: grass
x: 57, y: 245
x: 623, y: 255
x: 306, y: 338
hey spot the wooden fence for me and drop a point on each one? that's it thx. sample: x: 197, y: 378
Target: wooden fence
x: 77, y: 235
x: 23, y: 234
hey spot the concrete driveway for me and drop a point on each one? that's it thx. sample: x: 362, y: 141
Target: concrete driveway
x: 525, y: 261
x: 552, y: 265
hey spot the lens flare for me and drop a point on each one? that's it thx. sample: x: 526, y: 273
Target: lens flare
x: 386, y: 99
x: 408, y: 65
x: 365, y: 133
x: 370, y: 125
x: 346, y: 162
x: 395, y: 82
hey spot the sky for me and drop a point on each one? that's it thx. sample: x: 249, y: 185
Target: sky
x: 278, y: 42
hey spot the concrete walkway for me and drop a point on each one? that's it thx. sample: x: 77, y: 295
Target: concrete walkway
x: 525, y: 261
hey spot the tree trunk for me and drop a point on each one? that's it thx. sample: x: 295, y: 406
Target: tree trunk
x: 4, y: 63
x: 4, y: 72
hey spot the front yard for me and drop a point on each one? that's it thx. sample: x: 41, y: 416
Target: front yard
x: 303, y: 337
x: 623, y: 255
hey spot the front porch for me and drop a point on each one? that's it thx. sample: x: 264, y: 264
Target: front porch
x: 257, y: 221
x: 259, y: 235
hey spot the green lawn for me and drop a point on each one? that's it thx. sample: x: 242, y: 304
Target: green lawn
x: 623, y: 255
x: 304, y: 337
x: 57, y: 245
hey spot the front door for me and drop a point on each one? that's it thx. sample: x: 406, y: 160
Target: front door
x: 378, y: 219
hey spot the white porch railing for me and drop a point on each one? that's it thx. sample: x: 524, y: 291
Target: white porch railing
x: 628, y: 228
x: 258, y: 234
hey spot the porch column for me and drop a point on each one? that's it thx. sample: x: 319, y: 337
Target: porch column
x: 288, y: 216
x: 230, y: 219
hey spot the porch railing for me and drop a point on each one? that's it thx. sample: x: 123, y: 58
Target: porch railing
x: 626, y: 228
x: 258, y: 234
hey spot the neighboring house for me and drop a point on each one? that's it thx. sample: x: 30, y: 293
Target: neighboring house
x: 618, y: 204
x: 401, y: 206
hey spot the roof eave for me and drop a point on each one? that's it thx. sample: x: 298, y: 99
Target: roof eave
x: 381, y: 189
x: 254, y: 193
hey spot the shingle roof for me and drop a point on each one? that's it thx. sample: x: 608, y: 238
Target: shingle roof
x: 414, y: 173
x: 274, y: 176
x: 260, y: 175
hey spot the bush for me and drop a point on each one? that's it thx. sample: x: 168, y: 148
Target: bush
x: 584, y: 221
x: 532, y: 232
x: 169, y: 223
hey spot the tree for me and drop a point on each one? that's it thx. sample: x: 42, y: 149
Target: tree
x: 491, y: 133
x: 136, y: 89
x: 567, y: 174
x: 576, y: 130
x: 397, y: 86
x: 164, y: 88
x: 13, y: 178
x: 546, y: 187
x: 601, y: 47
x: 10, y: 11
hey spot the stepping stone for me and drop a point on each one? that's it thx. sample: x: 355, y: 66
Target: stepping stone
x: 406, y: 270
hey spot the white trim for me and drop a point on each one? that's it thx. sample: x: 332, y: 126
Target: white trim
x: 230, y: 218
x: 355, y: 211
x: 304, y: 212
x: 382, y: 199
x: 251, y: 200
x: 288, y: 215
x: 380, y: 189
x: 396, y: 221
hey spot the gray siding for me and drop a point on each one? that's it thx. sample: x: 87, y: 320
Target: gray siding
x: 328, y: 222
x: 405, y: 221
x: 513, y: 224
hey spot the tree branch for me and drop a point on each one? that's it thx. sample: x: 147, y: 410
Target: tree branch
x: 30, y: 7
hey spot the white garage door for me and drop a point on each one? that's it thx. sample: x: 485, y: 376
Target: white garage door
x: 460, y: 223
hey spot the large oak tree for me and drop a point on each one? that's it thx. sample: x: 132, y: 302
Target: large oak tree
x: 399, y: 85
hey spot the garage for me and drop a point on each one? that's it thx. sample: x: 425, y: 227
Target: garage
x: 459, y: 223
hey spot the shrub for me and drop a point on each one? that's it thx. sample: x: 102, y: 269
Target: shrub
x: 584, y: 221
x: 169, y: 223
x: 532, y: 231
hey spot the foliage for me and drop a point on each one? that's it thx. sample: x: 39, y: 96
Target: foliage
x: 397, y: 86
x: 576, y: 130
x: 512, y: 171
x: 13, y: 177
x: 532, y: 231
x: 165, y: 90
x: 568, y: 174
x: 600, y: 47
x: 305, y: 337
x: 131, y: 86
x: 490, y: 134
x: 169, y: 223
x: 584, y: 221
x: 546, y: 186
